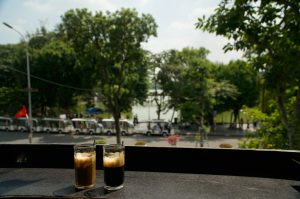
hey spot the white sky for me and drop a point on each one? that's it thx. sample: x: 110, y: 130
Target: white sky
x: 175, y: 19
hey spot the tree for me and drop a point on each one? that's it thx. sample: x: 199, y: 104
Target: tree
x: 11, y: 95
x: 6, y: 59
x: 158, y: 95
x: 170, y: 77
x: 271, y: 133
x: 52, y: 65
x: 268, y: 32
x: 245, y: 79
x: 186, y: 77
x: 56, y: 62
x: 108, y: 47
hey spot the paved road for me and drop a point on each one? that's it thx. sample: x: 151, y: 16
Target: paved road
x: 156, y: 141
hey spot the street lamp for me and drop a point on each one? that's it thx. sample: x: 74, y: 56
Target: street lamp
x: 28, y: 82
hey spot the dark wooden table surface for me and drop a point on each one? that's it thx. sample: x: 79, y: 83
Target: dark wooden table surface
x: 58, y: 183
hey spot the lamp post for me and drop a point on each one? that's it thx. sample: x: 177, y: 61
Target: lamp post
x: 28, y: 83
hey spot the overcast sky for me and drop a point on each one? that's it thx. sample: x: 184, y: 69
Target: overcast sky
x: 175, y: 18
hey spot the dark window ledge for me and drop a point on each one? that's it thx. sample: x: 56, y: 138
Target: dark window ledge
x: 239, y: 162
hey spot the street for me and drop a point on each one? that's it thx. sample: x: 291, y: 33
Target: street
x: 155, y: 141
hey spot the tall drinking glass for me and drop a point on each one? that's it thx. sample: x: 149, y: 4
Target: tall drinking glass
x: 113, y: 162
x: 85, y: 166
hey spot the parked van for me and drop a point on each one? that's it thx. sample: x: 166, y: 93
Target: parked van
x: 6, y: 124
x: 126, y: 127
x: 56, y: 125
x: 86, y: 125
x: 155, y: 127
x: 22, y: 124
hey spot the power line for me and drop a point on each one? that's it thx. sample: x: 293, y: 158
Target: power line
x: 47, y: 81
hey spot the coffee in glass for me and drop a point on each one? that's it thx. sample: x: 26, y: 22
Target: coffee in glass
x: 113, y: 163
x: 85, y: 166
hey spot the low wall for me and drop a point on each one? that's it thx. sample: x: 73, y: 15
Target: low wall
x: 241, y: 162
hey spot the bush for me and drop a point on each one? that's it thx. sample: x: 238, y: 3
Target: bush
x: 101, y: 141
x: 140, y: 143
x: 270, y: 135
x: 225, y: 145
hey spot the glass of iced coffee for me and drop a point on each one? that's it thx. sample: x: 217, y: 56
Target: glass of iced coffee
x: 85, y: 166
x: 113, y: 163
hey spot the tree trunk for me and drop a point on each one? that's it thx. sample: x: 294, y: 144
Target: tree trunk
x: 172, y: 115
x: 235, y: 115
x: 283, y: 115
x: 158, y: 104
x: 263, y: 98
x: 235, y: 118
x: 158, y: 110
x: 296, y: 133
x: 117, y: 126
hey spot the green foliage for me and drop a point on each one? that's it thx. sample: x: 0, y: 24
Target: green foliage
x: 55, y: 61
x: 85, y: 51
x: 254, y: 113
x: 245, y: 79
x: 268, y: 33
x: 12, y: 95
x: 51, y: 60
x: 11, y: 100
x: 206, y: 129
x: 186, y: 76
x: 158, y: 95
x: 7, y: 76
x: 108, y: 48
x: 189, y: 111
x: 270, y: 135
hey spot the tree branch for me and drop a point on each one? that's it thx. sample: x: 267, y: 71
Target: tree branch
x: 293, y: 6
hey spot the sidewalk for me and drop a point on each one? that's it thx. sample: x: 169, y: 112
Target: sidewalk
x: 223, y: 130
x: 220, y: 130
